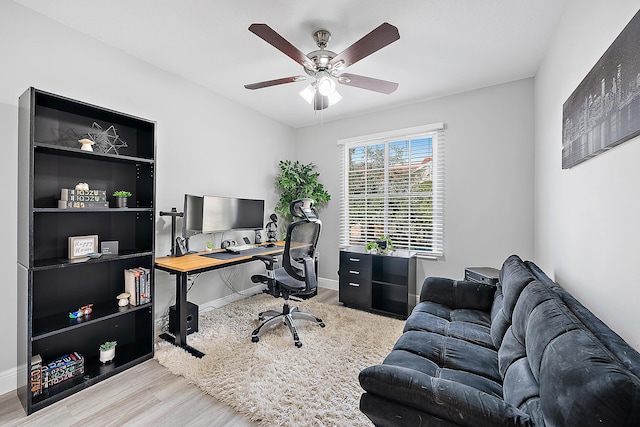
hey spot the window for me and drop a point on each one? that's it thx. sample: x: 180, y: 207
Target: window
x: 392, y: 185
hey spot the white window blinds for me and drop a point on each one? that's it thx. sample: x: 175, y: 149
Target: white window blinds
x: 393, y: 185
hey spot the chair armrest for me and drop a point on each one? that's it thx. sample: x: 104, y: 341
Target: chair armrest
x: 269, y: 260
x: 310, y: 273
x: 458, y: 294
x: 455, y: 402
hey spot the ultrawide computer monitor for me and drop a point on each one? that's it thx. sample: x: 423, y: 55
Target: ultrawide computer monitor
x: 229, y: 213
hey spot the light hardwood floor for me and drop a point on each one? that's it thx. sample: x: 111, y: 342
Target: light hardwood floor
x: 145, y: 395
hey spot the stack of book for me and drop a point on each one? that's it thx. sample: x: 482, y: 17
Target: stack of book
x: 82, y: 199
x: 63, y: 368
x: 36, y: 375
x: 137, y: 283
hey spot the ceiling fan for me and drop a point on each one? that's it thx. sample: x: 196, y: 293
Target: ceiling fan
x: 326, y: 68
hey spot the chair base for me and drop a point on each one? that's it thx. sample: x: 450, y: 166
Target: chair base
x: 287, y: 317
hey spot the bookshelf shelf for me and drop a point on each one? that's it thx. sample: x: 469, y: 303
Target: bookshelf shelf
x: 60, y: 323
x: 75, y: 153
x: 50, y: 285
x: 47, y: 264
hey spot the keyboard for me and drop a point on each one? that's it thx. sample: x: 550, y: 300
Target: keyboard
x: 239, y: 248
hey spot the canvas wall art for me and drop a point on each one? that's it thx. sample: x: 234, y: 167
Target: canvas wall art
x: 604, y: 110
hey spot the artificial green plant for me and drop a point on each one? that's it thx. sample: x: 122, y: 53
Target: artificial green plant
x: 296, y: 181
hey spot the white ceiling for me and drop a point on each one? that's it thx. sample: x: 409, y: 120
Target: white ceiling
x: 445, y: 46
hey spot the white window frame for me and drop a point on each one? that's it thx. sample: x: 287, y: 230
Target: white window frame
x: 436, y: 132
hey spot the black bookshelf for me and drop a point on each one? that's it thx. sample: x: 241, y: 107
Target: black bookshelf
x: 50, y: 285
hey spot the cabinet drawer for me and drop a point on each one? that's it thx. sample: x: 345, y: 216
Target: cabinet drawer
x: 352, y: 261
x: 354, y: 273
x: 355, y: 293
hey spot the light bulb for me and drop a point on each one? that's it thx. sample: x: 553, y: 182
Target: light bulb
x: 326, y: 85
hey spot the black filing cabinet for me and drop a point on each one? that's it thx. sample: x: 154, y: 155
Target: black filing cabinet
x: 355, y: 279
x: 381, y: 283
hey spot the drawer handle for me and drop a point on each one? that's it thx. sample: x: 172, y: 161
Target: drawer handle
x: 354, y: 284
x: 354, y: 259
x: 354, y: 272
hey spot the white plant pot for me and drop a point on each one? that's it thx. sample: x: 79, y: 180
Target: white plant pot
x: 107, y: 355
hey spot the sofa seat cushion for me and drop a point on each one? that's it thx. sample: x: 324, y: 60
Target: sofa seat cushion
x: 452, y: 353
x: 418, y: 363
x: 437, y: 398
x: 465, y: 324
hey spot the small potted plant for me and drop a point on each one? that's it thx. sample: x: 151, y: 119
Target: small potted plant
x: 121, y: 198
x: 107, y: 351
x: 382, y: 246
x: 385, y: 245
x: 209, y: 246
x: 372, y: 247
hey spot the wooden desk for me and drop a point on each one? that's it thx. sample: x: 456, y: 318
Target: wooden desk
x: 195, y: 263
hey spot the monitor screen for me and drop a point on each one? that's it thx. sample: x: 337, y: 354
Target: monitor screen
x: 228, y: 213
x: 192, y: 220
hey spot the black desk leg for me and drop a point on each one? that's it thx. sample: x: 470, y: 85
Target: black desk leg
x: 180, y: 339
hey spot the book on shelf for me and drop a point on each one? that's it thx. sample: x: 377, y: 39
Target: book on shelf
x: 137, y: 283
x: 36, y: 375
x: 145, y: 285
x: 61, y: 369
x: 72, y: 194
x: 64, y: 204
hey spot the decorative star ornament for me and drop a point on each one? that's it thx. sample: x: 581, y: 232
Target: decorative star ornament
x: 106, y: 140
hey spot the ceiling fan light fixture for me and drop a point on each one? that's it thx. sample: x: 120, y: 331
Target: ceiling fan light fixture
x: 325, y: 83
x: 334, y: 98
x: 308, y: 93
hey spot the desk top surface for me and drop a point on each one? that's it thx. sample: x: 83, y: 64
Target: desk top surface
x: 196, y: 262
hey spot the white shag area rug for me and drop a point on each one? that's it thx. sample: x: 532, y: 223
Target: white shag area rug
x: 274, y: 383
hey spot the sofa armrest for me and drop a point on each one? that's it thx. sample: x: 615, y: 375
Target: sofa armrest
x: 448, y: 400
x: 458, y: 294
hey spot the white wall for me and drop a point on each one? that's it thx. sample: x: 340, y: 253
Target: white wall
x: 488, y: 174
x: 588, y: 217
x: 200, y: 135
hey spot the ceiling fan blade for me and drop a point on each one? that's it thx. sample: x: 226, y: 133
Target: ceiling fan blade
x: 276, y: 40
x: 276, y: 82
x: 380, y: 37
x: 369, y: 83
x: 320, y: 102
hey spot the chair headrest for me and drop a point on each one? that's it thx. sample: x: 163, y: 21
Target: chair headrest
x: 303, y: 208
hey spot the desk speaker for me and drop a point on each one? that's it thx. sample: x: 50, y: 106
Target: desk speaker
x: 192, y: 319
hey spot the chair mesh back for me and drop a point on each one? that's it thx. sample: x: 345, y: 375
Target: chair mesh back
x: 302, y: 238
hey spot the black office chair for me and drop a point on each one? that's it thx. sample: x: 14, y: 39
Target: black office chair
x: 297, y: 276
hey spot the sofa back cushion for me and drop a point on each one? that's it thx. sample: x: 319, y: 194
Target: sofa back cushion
x: 557, y: 371
x: 514, y: 277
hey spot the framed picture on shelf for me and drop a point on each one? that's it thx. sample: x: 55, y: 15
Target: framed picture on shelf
x: 81, y: 246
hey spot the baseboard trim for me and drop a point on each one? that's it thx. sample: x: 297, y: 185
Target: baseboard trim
x: 8, y: 380
x: 220, y: 302
x: 328, y: 283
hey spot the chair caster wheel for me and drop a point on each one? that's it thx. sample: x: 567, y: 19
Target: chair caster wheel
x: 261, y: 318
x: 322, y: 325
x: 255, y: 339
x: 298, y: 344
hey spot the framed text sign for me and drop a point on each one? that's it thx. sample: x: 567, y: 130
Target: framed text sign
x: 81, y: 246
x: 604, y: 110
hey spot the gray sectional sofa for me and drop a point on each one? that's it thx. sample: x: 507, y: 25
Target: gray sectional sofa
x: 524, y: 353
